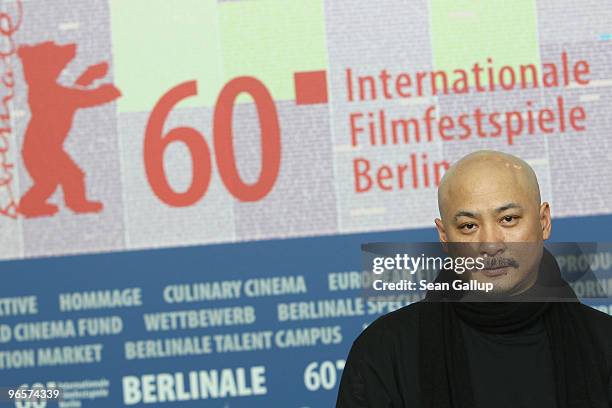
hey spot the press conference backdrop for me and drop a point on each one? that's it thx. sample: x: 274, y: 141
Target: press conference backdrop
x: 185, y: 185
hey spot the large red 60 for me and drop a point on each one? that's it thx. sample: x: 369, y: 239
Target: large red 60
x: 155, y: 143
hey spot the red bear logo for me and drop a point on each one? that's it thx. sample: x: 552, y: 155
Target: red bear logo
x: 52, y: 108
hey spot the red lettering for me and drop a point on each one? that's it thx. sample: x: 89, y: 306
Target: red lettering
x: 155, y: 144
x: 577, y: 113
x: 545, y: 115
x: 361, y: 167
x: 384, y: 173
x: 446, y: 123
x: 354, y: 128
x: 224, y: 140
x: 513, y: 131
x: 403, y: 81
x: 581, y: 68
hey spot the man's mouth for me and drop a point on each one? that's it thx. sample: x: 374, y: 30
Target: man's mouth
x: 497, y: 267
x: 495, y: 271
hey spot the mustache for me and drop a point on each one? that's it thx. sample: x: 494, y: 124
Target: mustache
x: 498, y: 262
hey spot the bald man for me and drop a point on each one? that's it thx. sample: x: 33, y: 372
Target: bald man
x: 497, y: 350
x: 492, y: 198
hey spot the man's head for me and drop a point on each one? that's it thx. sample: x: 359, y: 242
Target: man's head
x: 490, y: 200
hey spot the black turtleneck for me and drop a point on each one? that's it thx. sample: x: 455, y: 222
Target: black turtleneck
x: 511, y: 370
x: 541, y: 348
x: 507, y: 370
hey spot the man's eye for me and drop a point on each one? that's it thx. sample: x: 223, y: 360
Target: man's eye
x: 509, y: 219
x: 467, y: 227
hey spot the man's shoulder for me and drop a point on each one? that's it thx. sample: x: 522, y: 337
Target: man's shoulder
x: 600, y: 322
x: 600, y: 325
x: 382, y: 368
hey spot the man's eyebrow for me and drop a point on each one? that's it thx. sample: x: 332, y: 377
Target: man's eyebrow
x: 508, y: 206
x: 464, y: 213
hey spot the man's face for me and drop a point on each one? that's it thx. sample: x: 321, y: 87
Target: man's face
x: 493, y: 211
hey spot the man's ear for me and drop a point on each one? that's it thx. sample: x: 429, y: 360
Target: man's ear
x: 441, y: 231
x: 545, y: 221
x: 442, y: 234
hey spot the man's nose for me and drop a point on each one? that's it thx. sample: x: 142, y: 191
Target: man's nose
x: 491, y: 241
